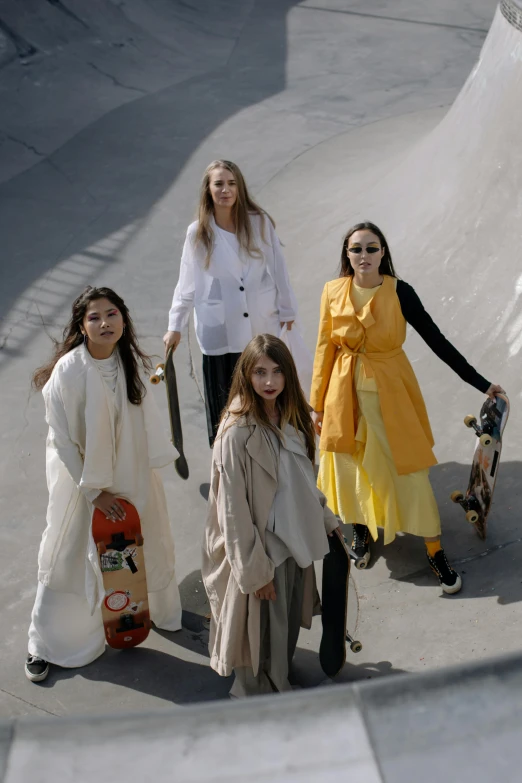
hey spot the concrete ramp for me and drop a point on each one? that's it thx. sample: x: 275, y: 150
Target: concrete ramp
x: 460, y: 724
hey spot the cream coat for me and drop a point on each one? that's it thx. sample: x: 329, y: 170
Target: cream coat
x: 235, y: 564
x: 233, y: 301
x: 99, y: 440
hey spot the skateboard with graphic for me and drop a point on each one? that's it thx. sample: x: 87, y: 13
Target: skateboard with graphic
x: 125, y: 606
x: 484, y: 468
x: 334, y: 604
x: 166, y: 372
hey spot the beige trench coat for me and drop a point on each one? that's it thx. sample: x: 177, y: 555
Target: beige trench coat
x: 235, y: 564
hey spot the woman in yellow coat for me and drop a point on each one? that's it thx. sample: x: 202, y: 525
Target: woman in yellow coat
x: 376, y: 441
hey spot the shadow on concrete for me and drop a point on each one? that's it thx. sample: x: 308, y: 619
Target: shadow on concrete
x: 488, y: 567
x: 151, y: 672
x: 307, y: 673
x: 85, y: 202
x: 204, y: 490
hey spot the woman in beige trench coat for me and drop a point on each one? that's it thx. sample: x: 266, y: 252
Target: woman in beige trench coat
x: 267, y: 522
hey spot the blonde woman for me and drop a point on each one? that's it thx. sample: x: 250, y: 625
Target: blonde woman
x: 233, y: 274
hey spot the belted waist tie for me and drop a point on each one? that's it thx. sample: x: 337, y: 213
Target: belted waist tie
x: 371, y: 355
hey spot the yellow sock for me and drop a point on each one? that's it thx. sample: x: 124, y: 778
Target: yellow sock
x: 433, y: 547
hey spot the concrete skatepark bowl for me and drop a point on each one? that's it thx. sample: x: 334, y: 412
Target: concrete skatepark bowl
x: 336, y: 110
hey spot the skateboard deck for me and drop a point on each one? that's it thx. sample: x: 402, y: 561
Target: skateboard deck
x: 336, y: 573
x: 166, y: 372
x: 484, y: 468
x: 125, y: 606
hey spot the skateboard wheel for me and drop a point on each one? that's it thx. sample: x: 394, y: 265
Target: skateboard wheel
x: 472, y: 517
x: 469, y: 421
x: 160, y: 366
x: 356, y: 647
x: 100, y: 546
x: 457, y: 497
x: 360, y: 564
x: 154, y: 379
x: 138, y: 539
x: 486, y: 440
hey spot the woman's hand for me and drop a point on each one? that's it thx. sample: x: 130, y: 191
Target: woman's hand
x: 171, y: 340
x: 110, y: 506
x: 336, y: 530
x: 266, y: 593
x: 289, y: 325
x: 494, y: 389
x: 317, y: 419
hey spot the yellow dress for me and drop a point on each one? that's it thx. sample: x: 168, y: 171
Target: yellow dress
x: 364, y: 487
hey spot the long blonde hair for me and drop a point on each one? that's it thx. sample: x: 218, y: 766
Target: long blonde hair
x: 242, y: 209
x: 293, y: 408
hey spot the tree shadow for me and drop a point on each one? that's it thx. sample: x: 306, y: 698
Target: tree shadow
x: 106, y: 179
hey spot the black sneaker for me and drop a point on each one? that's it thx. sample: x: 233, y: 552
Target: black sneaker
x: 36, y: 669
x: 449, y: 580
x: 361, y: 545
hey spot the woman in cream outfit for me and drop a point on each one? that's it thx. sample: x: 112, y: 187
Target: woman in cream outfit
x: 105, y: 441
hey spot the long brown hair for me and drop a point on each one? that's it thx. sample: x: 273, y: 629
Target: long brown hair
x: 386, y: 265
x: 130, y: 353
x: 242, y: 209
x: 293, y: 408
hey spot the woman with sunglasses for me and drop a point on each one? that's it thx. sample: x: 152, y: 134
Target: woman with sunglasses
x: 376, y: 441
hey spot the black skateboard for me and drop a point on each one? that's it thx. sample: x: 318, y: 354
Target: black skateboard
x: 166, y: 372
x: 336, y: 573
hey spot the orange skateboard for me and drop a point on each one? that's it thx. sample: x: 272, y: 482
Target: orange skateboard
x: 484, y: 468
x: 125, y: 607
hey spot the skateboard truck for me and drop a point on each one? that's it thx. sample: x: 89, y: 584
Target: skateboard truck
x: 470, y: 505
x: 481, y: 432
x: 158, y: 375
x: 355, y: 646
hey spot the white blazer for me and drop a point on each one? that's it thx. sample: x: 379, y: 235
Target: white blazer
x: 235, y: 298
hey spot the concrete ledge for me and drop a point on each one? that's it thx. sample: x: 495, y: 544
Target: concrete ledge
x: 465, y: 719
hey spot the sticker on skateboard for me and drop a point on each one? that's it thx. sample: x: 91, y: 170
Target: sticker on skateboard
x: 484, y: 469
x: 334, y: 603
x: 125, y: 607
x: 166, y: 372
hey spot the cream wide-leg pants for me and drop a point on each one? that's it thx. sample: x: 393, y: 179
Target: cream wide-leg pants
x: 64, y: 632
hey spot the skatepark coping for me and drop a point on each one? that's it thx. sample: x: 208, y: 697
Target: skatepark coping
x: 403, y: 728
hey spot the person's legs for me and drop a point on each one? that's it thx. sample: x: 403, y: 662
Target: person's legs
x: 165, y: 607
x: 63, y: 631
x: 217, y: 378
x: 450, y: 580
x: 280, y: 624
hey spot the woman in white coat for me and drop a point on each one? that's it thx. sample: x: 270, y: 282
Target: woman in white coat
x: 105, y: 441
x: 233, y: 274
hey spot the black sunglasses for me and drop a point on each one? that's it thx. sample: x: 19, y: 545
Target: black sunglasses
x: 358, y: 250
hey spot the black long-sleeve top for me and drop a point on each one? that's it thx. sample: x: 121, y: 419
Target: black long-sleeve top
x: 415, y: 314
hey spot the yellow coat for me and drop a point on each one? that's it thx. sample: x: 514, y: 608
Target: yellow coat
x: 376, y: 335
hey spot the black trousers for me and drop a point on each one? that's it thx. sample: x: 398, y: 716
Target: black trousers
x: 217, y: 377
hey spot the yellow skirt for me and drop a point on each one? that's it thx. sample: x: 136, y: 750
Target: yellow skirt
x: 365, y: 488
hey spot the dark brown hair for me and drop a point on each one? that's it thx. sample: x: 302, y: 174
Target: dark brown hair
x: 386, y: 266
x: 242, y: 209
x: 130, y: 353
x: 293, y: 408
